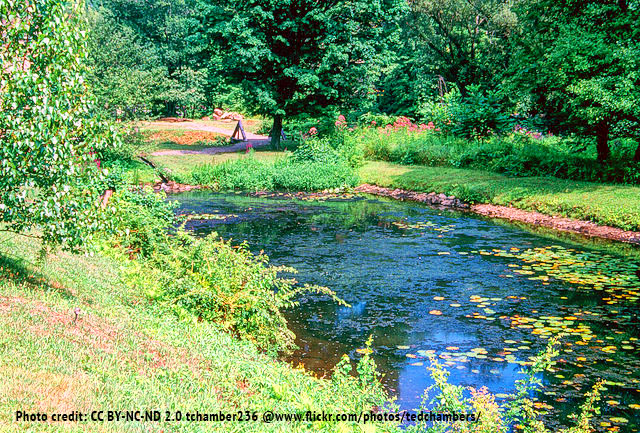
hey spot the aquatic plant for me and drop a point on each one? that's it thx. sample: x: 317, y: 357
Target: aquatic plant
x: 520, y: 413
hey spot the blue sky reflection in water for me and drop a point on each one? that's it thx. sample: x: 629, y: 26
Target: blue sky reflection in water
x: 482, y: 296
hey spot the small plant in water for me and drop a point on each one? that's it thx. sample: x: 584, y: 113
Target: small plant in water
x: 520, y: 414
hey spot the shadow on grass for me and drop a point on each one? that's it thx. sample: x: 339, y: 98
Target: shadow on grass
x: 22, y: 271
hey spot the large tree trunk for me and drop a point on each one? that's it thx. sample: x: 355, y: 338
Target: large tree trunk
x: 276, y: 131
x: 602, y: 140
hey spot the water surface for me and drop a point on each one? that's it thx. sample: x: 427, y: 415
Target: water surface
x: 480, y: 295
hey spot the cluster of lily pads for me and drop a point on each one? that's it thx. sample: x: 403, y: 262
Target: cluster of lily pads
x: 597, y: 325
x: 421, y: 225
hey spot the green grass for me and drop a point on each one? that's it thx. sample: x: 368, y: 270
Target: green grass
x: 170, y: 145
x: 126, y: 353
x: 178, y: 167
x: 614, y: 205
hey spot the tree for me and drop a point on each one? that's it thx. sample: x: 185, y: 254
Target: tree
x: 301, y: 56
x: 579, y: 64
x: 49, y: 175
x: 147, y: 57
x: 463, y: 41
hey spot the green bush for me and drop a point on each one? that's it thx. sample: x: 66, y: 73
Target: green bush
x: 479, y: 114
x: 212, y: 280
x: 140, y: 220
x: 514, y: 154
x: 308, y: 170
x: 209, y: 279
x: 335, y: 149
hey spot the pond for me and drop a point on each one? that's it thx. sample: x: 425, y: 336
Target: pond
x: 481, y: 295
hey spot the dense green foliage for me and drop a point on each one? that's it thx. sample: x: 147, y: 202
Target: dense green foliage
x: 147, y: 58
x: 479, y: 67
x: 227, y: 285
x: 304, y: 56
x: 578, y: 63
x: 449, y: 43
x: 515, y: 154
x: 50, y: 175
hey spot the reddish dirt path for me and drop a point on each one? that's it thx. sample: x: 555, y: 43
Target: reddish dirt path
x: 253, y: 140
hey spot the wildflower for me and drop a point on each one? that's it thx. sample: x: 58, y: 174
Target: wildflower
x: 313, y: 130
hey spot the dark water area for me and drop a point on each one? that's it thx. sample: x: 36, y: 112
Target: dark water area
x: 482, y: 296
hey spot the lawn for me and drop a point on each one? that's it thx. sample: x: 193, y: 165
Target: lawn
x: 614, y: 205
x: 120, y: 352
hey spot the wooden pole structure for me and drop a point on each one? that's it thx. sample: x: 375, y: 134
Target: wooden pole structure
x: 238, y: 133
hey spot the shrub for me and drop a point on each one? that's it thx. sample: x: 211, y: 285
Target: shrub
x: 480, y: 114
x: 336, y: 149
x: 209, y: 279
x: 140, y: 221
x: 310, y: 169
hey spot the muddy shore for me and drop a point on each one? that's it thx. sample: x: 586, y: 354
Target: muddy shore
x: 586, y: 228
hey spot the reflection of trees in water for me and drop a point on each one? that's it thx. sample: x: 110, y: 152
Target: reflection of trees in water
x: 270, y: 224
x: 350, y: 213
x: 320, y: 355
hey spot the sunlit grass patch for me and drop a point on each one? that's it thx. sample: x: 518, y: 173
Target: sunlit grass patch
x: 614, y: 205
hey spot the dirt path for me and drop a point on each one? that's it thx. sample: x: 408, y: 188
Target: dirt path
x: 253, y: 140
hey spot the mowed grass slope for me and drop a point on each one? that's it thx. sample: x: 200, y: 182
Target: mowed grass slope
x: 614, y: 205
x: 123, y: 353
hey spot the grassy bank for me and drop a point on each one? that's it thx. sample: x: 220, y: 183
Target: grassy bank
x: 258, y: 170
x: 181, y: 167
x: 608, y: 204
x: 124, y: 353
x: 614, y: 205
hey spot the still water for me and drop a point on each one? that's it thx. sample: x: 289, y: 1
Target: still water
x: 482, y: 296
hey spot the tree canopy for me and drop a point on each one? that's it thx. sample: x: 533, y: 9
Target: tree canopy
x: 302, y: 56
x: 50, y: 178
x: 578, y: 62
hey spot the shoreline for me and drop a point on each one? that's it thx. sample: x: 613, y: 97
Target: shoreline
x: 563, y: 224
